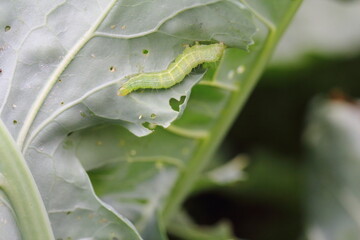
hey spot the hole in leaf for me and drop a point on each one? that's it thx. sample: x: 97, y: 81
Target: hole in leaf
x: 153, y: 116
x: 15, y: 122
x: 175, y: 104
x: 145, y: 51
x: 150, y: 126
x: 7, y: 28
x: 112, y: 69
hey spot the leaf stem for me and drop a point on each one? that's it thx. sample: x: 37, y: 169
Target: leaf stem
x: 20, y: 188
x: 208, y: 146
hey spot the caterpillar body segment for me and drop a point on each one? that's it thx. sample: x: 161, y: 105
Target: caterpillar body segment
x: 176, y: 71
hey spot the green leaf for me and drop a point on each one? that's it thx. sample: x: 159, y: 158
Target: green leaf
x: 224, y: 175
x: 8, y: 227
x: 62, y: 63
x: 142, y: 176
x: 333, y: 143
x: 184, y: 228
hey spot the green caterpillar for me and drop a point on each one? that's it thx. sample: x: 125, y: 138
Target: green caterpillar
x: 177, y: 70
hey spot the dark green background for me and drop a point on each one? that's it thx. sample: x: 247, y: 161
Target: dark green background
x: 269, y: 206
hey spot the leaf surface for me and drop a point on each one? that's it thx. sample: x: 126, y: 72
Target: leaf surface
x: 143, y: 176
x: 61, y: 65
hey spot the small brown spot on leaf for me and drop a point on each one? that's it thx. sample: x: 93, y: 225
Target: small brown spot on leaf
x: 112, y: 69
x: 103, y: 220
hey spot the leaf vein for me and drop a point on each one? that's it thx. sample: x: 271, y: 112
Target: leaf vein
x: 56, y: 74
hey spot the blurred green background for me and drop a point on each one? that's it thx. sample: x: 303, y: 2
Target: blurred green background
x: 313, y: 77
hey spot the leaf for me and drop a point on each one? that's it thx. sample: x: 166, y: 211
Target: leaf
x: 142, y: 176
x: 333, y: 139
x: 7, y: 222
x: 184, y: 228
x: 227, y: 174
x: 62, y: 63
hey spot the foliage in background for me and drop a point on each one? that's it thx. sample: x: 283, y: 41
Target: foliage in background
x: 333, y: 140
x: 330, y: 33
x: 269, y: 129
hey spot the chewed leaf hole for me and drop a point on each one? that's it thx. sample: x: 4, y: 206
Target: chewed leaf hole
x: 112, y: 69
x: 150, y: 126
x: 15, y: 122
x: 145, y: 51
x: 7, y: 28
x: 175, y: 104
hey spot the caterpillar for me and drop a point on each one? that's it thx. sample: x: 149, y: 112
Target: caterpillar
x: 176, y: 71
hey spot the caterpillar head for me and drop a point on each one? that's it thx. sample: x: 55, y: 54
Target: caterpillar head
x: 123, y: 91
